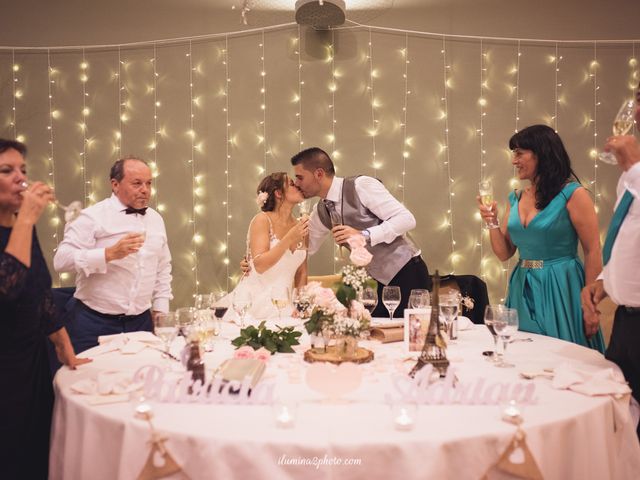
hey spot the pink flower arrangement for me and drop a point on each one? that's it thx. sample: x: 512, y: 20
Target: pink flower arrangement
x: 246, y: 351
x: 360, y: 256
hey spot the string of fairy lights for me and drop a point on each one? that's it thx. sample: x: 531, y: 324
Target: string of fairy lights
x: 298, y: 97
x: 15, y: 68
x: 227, y: 92
x: 333, y: 86
x: 263, y: 105
x: 53, y: 114
x: 403, y: 123
x: 154, y: 142
x: 374, y: 71
x: 446, y: 68
x: 84, y: 78
x: 374, y: 122
x: 593, y: 68
x: 482, y: 103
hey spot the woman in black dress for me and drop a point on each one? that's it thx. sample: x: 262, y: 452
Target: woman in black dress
x: 27, y: 317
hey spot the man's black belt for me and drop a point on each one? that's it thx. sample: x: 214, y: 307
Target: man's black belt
x: 116, y: 316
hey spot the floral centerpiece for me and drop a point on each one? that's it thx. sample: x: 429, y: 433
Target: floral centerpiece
x: 340, y: 314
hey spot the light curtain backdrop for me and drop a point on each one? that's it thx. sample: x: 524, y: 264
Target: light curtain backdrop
x: 428, y: 115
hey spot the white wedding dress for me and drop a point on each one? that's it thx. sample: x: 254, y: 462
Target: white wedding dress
x: 258, y: 285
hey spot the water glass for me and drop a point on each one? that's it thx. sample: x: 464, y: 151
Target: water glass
x: 165, y: 328
x: 391, y: 299
x: 202, y: 301
x: 419, y: 298
x: 449, y: 304
x: 368, y: 297
x: 491, y: 313
x: 505, y: 326
x: 185, y: 317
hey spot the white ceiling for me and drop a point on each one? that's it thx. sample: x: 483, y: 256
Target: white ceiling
x: 69, y: 22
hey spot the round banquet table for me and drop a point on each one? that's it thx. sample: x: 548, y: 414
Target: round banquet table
x: 570, y: 435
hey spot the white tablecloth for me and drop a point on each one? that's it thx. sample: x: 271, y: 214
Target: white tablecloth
x: 570, y: 435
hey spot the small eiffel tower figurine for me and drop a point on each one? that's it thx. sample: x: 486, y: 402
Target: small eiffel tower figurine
x: 434, y: 350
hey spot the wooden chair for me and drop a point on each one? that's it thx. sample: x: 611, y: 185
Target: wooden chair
x: 326, y: 281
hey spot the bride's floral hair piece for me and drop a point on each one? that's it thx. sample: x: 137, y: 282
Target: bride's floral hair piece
x: 267, y: 188
x: 261, y: 198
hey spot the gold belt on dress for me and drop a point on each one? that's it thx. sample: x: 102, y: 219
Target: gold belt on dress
x: 531, y: 263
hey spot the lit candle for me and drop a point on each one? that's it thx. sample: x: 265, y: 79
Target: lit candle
x: 512, y: 413
x: 284, y: 417
x: 403, y: 420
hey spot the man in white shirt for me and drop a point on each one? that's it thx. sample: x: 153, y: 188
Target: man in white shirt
x: 621, y: 254
x: 119, y: 252
x: 362, y: 206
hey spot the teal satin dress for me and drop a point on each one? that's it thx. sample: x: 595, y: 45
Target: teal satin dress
x: 548, y: 298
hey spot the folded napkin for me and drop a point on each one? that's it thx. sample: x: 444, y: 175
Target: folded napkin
x: 144, y: 337
x: 387, y: 334
x: 464, y: 323
x: 605, y: 381
x: 107, y: 387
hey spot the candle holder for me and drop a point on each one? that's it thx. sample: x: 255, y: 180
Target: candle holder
x: 284, y: 414
x: 404, y: 416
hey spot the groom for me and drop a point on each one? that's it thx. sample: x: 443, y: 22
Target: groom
x: 361, y: 205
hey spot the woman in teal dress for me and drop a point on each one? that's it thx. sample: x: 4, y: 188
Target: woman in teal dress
x: 543, y: 223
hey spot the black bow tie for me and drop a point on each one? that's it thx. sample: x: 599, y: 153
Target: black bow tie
x: 130, y: 210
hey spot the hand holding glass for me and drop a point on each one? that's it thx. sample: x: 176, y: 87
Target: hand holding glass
x: 485, y: 189
x: 72, y: 211
x: 622, y: 124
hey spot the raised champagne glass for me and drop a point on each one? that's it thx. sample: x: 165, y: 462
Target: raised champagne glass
x: 71, y: 211
x: 622, y: 124
x: 485, y: 189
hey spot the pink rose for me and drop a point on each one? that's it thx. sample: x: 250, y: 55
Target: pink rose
x: 325, y: 297
x: 360, y: 257
x: 357, y: 309
x: 244, y: 352
x: 356, y: 241
x: 262, y: 354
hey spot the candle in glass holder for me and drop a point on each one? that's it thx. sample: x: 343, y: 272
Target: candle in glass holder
x: 284, y: 416
x: 403, y: 419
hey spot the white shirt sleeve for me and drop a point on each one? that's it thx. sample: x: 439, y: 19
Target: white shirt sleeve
x: 162, y: 289
x: 396, y: 219
x: 77, y: 251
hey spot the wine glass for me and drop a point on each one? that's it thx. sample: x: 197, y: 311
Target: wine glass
x: 71, y: 211
x: 491, y: 313
x: 206, y: 328
x: 280, y: 299
x: 391, y: 299
x: 485, y: 188
x: 185, y: 317
x: 368, y: 297
x: 505, y: 326
x: 241, y: 303
x: 419, y: 298
x: 165, y: 328
x: 202, y: 301
x: 622, y: 124
x: 449, y: 303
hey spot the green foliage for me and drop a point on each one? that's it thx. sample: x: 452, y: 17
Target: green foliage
x: 280, y: 341
x: 317, y: 321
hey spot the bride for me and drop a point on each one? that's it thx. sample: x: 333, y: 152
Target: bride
x: 275, y: 248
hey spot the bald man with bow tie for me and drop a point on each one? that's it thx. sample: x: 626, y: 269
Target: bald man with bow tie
x: 119, y: 252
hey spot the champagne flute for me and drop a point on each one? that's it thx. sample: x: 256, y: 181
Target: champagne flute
x: 485, y: 188
x: 280, y: 299
x: 305, y: 209
x: 622, y: 124
x: 419, y: 298
x: 165, y: 328
x: 505, y: 326
x: 491, y: 313
x: 391, y: 298
x: 71, y: 211
x: 368, y: 297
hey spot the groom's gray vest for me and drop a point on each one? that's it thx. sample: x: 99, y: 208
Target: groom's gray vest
x: 388, y: 258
